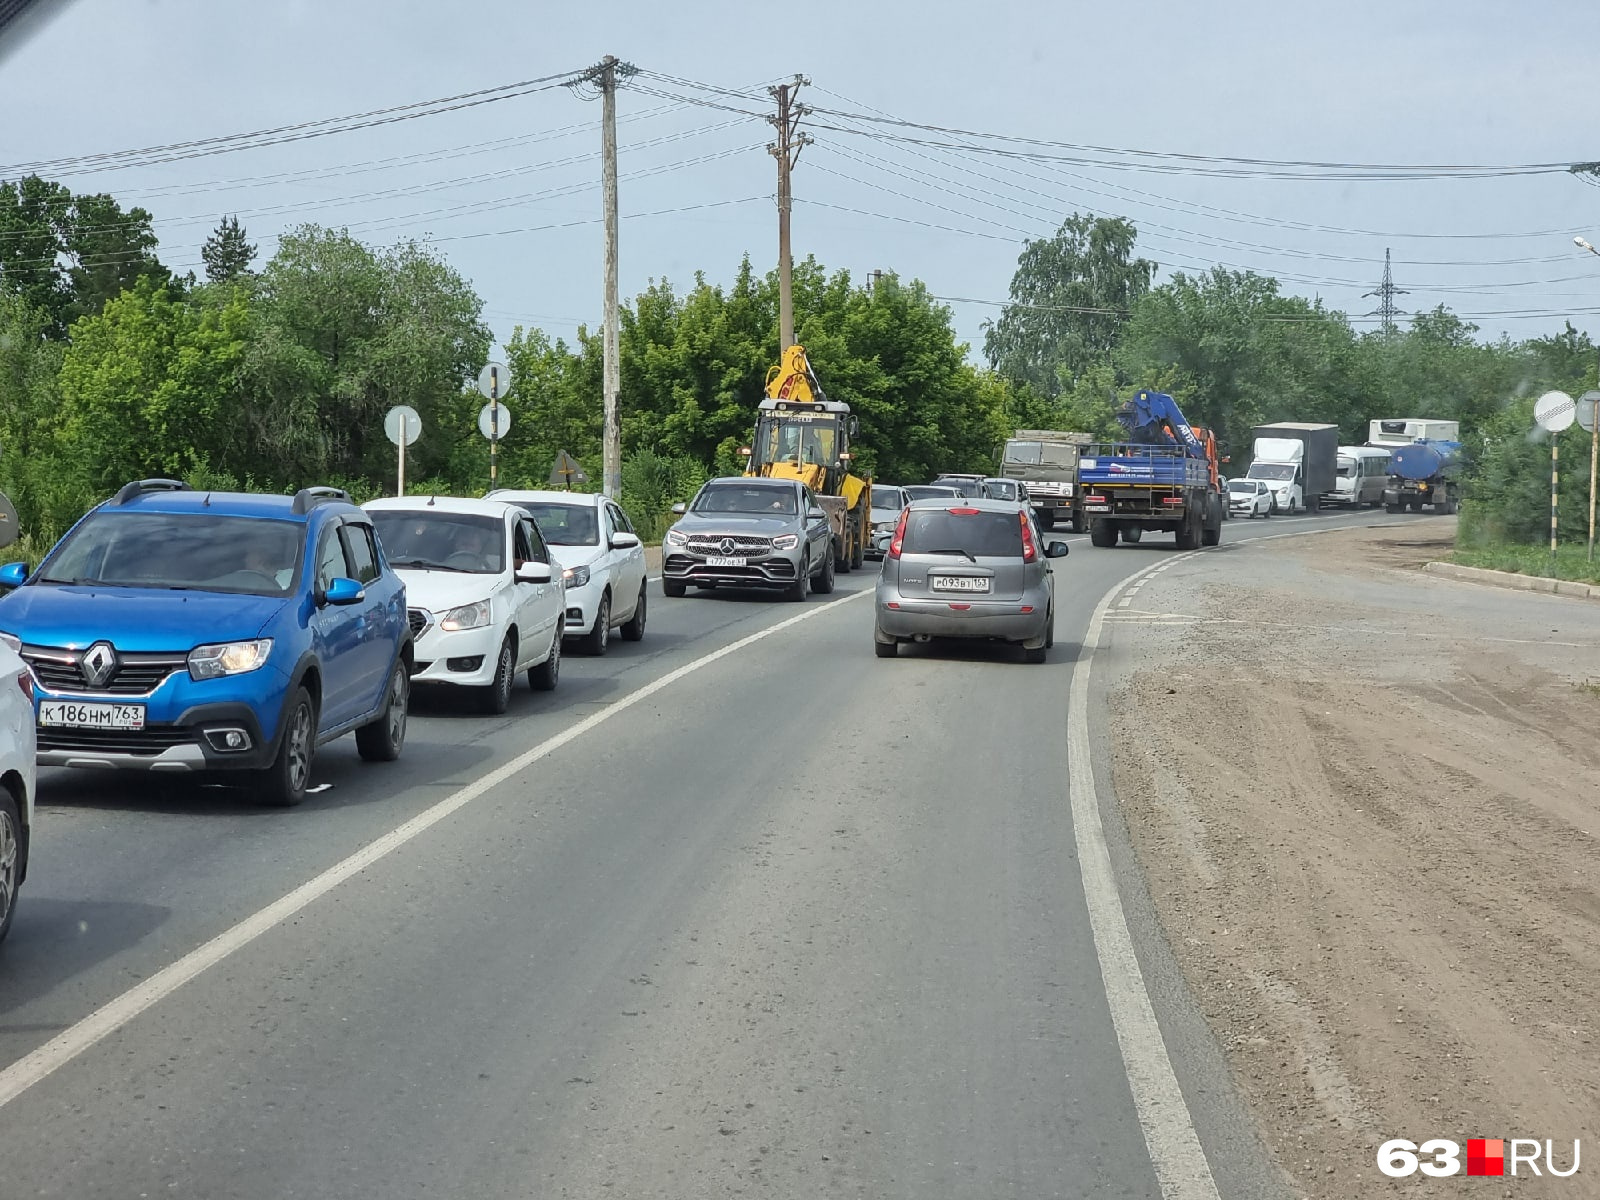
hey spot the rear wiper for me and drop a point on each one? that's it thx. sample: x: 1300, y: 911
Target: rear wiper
x: 966, y: 554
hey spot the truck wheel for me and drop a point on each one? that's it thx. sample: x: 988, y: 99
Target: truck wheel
x: 859, y: 558
x: 1391, y: 508
x: 1102, y: 533
x: 1131, y: 534
x: 841, y: 554
x: 1211, y: 536
x: 1077, y: 523
x: 1186, y: 534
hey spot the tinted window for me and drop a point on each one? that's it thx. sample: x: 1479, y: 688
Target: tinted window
x: 925, y: 491
x: 735, y: 498
x: 541, y: 551
x: 980, y: 534
x: 565, y: 524
x: 420, y: 540
x: 360, y: 554
x: 247, y: 555
x: 522, y: 542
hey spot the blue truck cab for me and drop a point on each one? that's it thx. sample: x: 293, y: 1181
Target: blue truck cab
x: 186, y: 631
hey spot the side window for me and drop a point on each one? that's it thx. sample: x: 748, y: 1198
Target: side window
x: 536, y: 542
x: 522, y: 543
x: 610, y: 523
x: 360, y: 553
x: 330, y: 559
x: 622, y: 521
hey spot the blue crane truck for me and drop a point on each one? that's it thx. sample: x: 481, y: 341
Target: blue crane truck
x: 1424, y: 472
x: 1163, y: 476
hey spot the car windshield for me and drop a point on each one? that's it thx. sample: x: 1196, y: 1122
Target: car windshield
x: 888, y: 499
x: 1002, y: 489
x: 186, y: 551
x: 1243, y: 485
x: 966, y: 487
x: 926, y: 491
x: 963, y: 531
x: 566, y: 524
x: 1346, y: 467
x: 423, y: 540
x: 734, y: 498
x: 1274, y: 471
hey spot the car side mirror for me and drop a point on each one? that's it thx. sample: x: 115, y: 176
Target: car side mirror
x: 14, y: 574
x: 534, y: 572
x: 622, y: 540
x: 1056, y: 550
x: 678, y: 510
x: 816, y: 514
x: 342, y: 591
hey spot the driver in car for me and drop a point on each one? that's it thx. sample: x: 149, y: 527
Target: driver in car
x: 258, y: 562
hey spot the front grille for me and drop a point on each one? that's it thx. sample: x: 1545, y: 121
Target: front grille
x: 147, y: 742
x: 135, y: 674
x: 744, y: 544
x: 419, y: 619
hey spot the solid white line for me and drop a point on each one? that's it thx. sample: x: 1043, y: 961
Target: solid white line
x: 64, y: 1047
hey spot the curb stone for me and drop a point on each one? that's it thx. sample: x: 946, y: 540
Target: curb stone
x: 1510, y: 579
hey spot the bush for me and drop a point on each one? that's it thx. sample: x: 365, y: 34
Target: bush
x: 652, y: 483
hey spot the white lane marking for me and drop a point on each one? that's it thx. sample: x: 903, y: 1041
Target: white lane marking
x: 1175, y: 1152
x: 64, y: 1047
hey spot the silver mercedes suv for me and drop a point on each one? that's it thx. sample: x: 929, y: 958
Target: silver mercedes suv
x: 749, y: 532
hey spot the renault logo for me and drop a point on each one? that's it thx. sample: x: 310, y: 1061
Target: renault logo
x: 727, y: 545
x: 99, y: 661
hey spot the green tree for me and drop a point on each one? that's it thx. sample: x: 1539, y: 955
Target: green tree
x: 227, y: 253
x: 1070, y: 299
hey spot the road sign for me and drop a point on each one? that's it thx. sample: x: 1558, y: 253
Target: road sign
x: 494, y: 381
x: 10, y: 531
x: 1585, y: 410
x: 492, y: 426
x: 402, y: 418
x: 1554, y: 411
x: 567, y: 471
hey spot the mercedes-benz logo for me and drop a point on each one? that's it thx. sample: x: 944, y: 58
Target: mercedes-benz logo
x: 727, y: 545
x: 99, y: 661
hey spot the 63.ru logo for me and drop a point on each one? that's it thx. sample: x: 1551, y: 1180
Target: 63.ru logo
x: 1399, y: 1158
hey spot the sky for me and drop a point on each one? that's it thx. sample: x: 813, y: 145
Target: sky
x: 508, y: 191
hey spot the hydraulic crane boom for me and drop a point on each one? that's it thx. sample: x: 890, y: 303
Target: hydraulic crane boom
x: 1154, y: 417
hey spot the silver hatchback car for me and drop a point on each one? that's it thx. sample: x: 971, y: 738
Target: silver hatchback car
x: 967, y: 569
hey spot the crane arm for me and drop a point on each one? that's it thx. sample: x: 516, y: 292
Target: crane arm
x: 1153, y: 416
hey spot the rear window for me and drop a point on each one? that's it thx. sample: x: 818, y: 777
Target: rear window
x: 980, y: 534
x: 890, y: 498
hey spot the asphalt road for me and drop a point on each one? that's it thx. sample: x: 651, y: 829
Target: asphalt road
x: 792, y: 920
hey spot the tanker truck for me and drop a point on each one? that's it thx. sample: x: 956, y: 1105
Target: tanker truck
x: 1423, y: 472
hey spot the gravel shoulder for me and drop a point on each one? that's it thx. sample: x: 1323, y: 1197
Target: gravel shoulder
x: 1367, y: 801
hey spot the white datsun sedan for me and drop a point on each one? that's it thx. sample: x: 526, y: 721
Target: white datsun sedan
x: 484, y: 595
x: 17, y: 776
x: 602, y: 561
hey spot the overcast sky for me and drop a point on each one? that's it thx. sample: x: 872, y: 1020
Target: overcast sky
x: 509, y: 191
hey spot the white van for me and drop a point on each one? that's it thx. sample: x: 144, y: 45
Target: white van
x: 1362, y: 473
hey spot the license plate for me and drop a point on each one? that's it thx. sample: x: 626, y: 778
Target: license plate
x: 1097, y: 507
x: 959, y: 583
x: 724, y: 562
x: 73, y: 715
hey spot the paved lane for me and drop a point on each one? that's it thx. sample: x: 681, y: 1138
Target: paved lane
x: 802, y: 920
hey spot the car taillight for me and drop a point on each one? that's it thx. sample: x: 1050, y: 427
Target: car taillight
x: 1094, y: 499
x: 899, y: 534
x: 1029, y: 550
x: 962, y: 512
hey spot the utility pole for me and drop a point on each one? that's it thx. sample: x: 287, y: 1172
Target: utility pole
x: 1386, y: 293
x: 786, y: 150
x: 603, y: 78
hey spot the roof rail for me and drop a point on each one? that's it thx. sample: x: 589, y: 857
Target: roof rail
x: 308, y: 498
x: 132, y: 491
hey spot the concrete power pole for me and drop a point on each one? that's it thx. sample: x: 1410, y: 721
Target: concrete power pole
x: 604, y: 77
x: 786, y: 150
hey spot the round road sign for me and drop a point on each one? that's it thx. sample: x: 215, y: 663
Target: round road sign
x: 487, y: 422
x: 494, y: 381
x: 1585, y: 410
x: 1555, y: 411
x: 402, y: 418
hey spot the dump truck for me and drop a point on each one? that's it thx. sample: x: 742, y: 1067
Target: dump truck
x: 1046, y: 462
x: 1163, y: 476
x: 1424, y: 472
x: 801, y: 434
x: 1299, y: 462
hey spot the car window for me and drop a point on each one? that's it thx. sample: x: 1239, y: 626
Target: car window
x: 245, y: 555
x: 891, y: 499
x: 536, y: 542
x: 434, y: 540
x: 565, y: 524
x: 978, y: 533
x: 610, y: 525
x: 331, y: 562
x: 522, y: 541
x: 624, y: 522
x: 360, y: 554
x: 755, y: 499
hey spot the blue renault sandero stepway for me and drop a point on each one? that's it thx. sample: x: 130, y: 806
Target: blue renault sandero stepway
x: 180, y: 630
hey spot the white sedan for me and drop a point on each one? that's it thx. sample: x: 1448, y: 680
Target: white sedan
x: 484, y: 594
x: 1249, y: 498
x: 17, y: 776
x: 602, y: 562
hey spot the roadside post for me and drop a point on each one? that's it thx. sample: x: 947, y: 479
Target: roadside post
x: 1587, y: 403
x: 494, y: 421
x: 403, y: 426
x: 1555, y: 411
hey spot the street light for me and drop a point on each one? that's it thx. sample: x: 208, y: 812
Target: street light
x: 1582, y: 243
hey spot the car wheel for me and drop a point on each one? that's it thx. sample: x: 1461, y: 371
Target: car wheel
x: 826, y: 578
x: 599, y: 638
x: 798, y: 589
x: 284, y: 783
x: 633, y: 631
x: 10, y: 858
x: 1050, y: 630
x: 671, y: 587
x: 381, y: 740
x: 545, y: 676
x: 497, y: 696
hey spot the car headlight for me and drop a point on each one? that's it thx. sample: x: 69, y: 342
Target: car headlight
x: 676, y: 538
x: 468, y: 616
x: 786, y: 541
x: 228, y: 658
x: 12, y: 640
x: 575, y: 577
